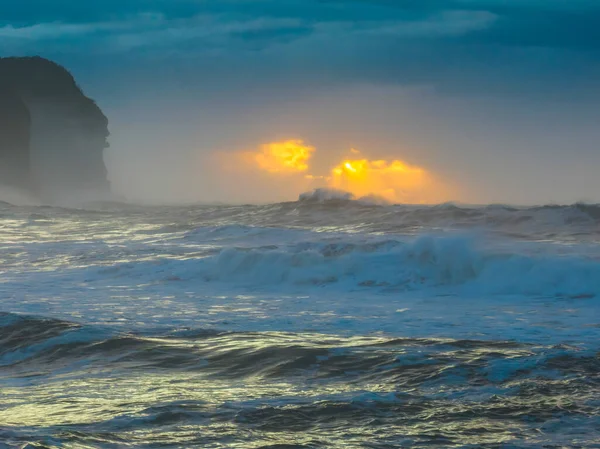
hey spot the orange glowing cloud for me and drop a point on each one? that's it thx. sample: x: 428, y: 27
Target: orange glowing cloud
x: 395, y: 181
x: 290, y: 156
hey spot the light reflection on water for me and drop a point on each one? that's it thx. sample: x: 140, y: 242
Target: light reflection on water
x: 211, y: 389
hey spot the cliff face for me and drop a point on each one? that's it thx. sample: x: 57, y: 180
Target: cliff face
x: 15, y: 124
x: 52, y: 136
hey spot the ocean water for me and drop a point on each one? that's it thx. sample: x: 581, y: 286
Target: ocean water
x: 321, y: 323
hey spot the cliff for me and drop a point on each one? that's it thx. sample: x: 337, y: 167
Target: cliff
x: 52, y: 136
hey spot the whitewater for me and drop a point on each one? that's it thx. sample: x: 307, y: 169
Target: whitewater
x: 320, y: 323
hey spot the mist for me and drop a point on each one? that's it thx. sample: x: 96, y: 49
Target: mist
x: 482, y: 150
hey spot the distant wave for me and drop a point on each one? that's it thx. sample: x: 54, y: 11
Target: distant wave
x: 333, y: 206
x: 548, y: 222
x: 325, y: 195
x: 337, y: 211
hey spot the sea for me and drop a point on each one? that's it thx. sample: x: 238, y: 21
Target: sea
x: 319, y: 323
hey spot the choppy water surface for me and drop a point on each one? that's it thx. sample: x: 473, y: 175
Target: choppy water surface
x: 315, y: 324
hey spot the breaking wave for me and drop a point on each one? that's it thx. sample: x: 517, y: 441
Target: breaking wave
x: 325, y: 195
x: 451, y: 264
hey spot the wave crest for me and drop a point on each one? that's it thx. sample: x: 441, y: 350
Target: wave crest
x: 448, y: 265
x: 322, y: 195
x: 327, y: 195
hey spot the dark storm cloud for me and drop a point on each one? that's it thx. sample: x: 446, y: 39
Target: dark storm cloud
x: 548, y: 23
x: 552, y: 29
x: 561, y: 15
x: 456, y: 44
x: 28, y: 12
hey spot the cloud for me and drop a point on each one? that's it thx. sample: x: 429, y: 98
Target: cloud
x: 445, y: 23
x: 157, y: 31
x: 455, y: 45
x: 520, y: 23
x: 57, y: 30
x: 265, y: 24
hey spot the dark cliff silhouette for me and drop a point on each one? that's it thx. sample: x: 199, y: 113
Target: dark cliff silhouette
x: 52, y: 136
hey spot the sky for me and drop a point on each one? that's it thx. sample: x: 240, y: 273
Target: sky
x: 497, y: 101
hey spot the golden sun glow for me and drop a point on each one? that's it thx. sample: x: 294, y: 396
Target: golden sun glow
x: 391, y: 180
x: 395, y: 181
x: 289, y: 156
